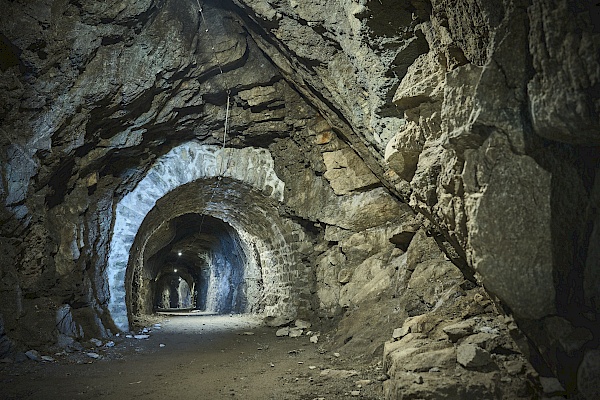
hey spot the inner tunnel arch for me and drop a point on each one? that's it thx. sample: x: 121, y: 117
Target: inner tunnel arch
x: 236, y: 186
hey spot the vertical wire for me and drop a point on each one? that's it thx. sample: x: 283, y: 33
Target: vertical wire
x: 220, y: 172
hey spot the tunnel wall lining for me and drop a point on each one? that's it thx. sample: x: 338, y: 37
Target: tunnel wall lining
x: 184, y: 164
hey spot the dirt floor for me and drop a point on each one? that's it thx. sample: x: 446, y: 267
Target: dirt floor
x: 197, y: 357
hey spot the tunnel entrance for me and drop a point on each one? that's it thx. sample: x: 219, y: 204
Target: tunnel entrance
x: 201, y: 266
x: 221, y: 228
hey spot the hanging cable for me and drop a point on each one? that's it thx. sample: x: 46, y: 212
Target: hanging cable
x: 221, y: 170
x: 225, y: 130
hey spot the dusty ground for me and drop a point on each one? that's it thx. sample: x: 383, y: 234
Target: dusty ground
x: 203, y: 357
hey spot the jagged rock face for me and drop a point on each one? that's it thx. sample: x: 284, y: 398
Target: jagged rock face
x: 494, y: 137
x: 482, y: 116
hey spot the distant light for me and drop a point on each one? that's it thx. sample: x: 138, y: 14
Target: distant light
x: 175, y: 270
x: 179, y: 254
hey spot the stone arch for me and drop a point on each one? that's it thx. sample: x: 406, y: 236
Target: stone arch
x: 247, y: 177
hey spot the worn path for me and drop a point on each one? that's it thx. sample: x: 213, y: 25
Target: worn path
x: 202, y: 357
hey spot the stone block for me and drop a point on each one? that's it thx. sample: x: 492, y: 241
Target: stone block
x: 472, y: 356
x: 258, y: 95
x: 347, y: 172
x: 459, y: 330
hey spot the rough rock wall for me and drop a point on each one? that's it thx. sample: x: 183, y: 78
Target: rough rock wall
x: 482, y: 115
x: 123, y: 86
x: 494, y: 138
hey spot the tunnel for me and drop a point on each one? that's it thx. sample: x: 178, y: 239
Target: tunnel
x: 418, y: 181
x: 202, y: 268
x: 202, y: 249
x: 222, y: 228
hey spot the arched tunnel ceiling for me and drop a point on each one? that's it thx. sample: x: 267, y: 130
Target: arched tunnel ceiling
x: 193, y: 162
x: 273, y: 242
x: 192, y: 234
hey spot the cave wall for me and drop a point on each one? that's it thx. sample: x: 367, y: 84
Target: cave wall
x: 494, y: 138
x: 480, y: 116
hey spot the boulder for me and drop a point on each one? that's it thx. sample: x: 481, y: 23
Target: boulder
x: 472, y: 356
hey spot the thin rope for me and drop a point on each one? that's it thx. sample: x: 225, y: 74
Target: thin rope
x: 224, y: 155
x: 228, y: 110
x: 225, y: 130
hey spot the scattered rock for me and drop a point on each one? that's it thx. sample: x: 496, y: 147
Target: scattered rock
x: 336, y: 354
x: 33, y: 355
x: 110, y: 344
x: 48, y: 358
x: 338, y: 373
x: 314, y: 339
x: 277, y: 321
x: 96, y: 342
x: 161, y: 345
x: 295, y: 332
x: 363, y: 382
x: 141, y: 336
x: 95, y: 356
x: 283, y: 332
x: 472, y: 356
x: 302, y: 324
x: 459, y: 330
x: 68, y: 343
x: 355, y: 393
